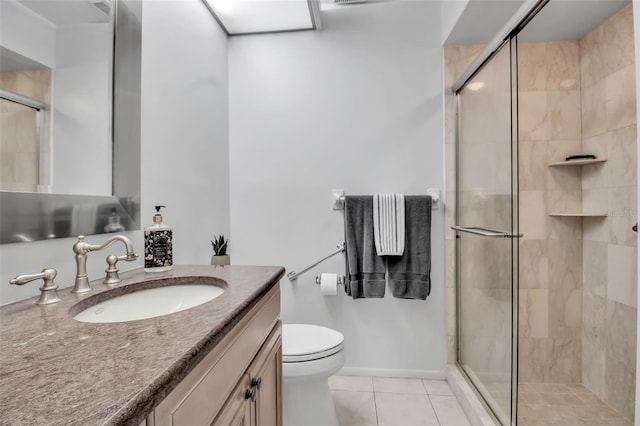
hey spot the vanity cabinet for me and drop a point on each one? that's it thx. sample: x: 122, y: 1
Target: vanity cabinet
x: 256, y: 399
x: 239, y: 382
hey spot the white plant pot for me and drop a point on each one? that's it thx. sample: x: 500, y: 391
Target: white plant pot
x: 220, y: 260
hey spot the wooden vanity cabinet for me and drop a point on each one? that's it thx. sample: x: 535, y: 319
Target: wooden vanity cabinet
x: 239, y: 382
x: 256, y: 399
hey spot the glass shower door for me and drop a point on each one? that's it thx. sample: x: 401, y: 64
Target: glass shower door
x: 486, y: 237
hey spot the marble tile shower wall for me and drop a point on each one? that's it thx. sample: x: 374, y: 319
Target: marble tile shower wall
x: 551, y: 249
x: 20, y: 156
x: 610, y: 276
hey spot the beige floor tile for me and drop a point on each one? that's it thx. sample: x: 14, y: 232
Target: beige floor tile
x: 355, y: 408
x: 608, y: 422
x: 392, y: 385
x: 564, y: 405
x: 437, y: 387
x: 529, y: 387
x: 525, y: 421
x: 560, y: 399
x: 538, y: 411
x: 351, y: 383
x: 530, y: 398
x: 587, y: 399
x: 583, y: 412
x: 404, y: 410
x: 448, y: 411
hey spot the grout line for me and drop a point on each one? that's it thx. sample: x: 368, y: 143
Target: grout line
x: 425, y: 387
x: 348, y: 390
x: 375, y: 408
x: 434, y: 409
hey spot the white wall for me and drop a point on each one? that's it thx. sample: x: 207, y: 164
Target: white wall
x: 27, y: 33
x: 185, y: 149
x: 356, y: 106
x: 81, y: 161
x: 184, y: 143
x: 451, y: 10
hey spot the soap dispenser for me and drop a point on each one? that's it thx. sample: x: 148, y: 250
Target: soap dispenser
x: 158, y: 250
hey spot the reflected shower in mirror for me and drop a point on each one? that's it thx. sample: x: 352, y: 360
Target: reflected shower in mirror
x: 67, y: 68
x: 55, y: 77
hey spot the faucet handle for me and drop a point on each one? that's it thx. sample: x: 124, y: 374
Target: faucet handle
x: 112, y: 276
x: 48, y: 292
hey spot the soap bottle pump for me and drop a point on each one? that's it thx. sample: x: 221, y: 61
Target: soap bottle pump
x: 158, y: 247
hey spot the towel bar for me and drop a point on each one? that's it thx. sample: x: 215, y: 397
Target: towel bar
x: 338, y: 198
x: 293, y: 275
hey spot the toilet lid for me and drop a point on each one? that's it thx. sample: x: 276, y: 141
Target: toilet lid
x: 306, y: 342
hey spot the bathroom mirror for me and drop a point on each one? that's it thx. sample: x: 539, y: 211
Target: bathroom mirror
x: 72, y: 80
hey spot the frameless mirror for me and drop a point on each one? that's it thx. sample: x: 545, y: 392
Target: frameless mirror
x: 70, y: 117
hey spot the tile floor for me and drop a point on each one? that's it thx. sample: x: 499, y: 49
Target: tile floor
x: 548, y: 404
x: 378, y: 401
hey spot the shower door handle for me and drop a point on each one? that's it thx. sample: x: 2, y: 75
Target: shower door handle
x: 485, y: 232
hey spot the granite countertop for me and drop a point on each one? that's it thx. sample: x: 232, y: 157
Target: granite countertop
x: 55, y: 370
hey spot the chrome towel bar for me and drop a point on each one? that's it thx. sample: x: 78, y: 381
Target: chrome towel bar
x: 338, y: 198
x: 293, y: 275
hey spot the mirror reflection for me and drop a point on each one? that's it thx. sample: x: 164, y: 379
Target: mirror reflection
x: 55, y: 96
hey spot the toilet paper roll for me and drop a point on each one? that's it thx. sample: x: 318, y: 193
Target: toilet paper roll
x: 329, y: 284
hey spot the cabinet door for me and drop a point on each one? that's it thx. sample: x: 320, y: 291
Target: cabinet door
x: 266, y: 378
x: 237, y: 410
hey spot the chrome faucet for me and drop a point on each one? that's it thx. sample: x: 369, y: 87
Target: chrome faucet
x: 81, y: 248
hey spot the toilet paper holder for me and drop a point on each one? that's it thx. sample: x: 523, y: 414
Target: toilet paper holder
x: 341, y: 279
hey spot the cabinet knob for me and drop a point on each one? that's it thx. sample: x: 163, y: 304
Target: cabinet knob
x: 256, y: 382
x: 250, y: 394
x: 635, y: 227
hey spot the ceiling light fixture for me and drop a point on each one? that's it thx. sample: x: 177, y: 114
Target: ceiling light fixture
x: 265, y: 16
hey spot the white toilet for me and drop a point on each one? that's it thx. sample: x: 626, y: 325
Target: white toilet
x: 310, y: 354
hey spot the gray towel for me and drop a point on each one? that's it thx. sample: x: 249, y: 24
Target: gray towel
x: 409, y: 275
x: 365, y: 270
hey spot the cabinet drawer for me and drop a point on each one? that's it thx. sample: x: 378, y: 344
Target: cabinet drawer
x: 201, y: 395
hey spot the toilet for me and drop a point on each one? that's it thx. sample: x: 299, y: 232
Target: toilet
x: 310, y: 354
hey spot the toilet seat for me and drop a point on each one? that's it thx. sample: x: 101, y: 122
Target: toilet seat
x: 306, y: 342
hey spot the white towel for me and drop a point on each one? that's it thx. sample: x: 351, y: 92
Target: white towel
x: 388, y: 224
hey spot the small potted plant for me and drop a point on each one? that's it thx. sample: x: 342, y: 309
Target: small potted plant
x: 220, y: 256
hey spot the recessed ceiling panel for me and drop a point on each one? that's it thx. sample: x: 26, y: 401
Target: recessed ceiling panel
x: 258, y: 16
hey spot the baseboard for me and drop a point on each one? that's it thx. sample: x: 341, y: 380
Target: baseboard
x: 391, y: 372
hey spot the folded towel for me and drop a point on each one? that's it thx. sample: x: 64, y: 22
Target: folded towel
x: 388, y: 224
x: 409, y: 275
x: 365, y: 270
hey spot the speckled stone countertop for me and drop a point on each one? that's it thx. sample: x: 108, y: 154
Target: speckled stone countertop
x: 55, y: 370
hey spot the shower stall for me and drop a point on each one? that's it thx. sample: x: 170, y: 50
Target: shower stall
x: 545, y: 255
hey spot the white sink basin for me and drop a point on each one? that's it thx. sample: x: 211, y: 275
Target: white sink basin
x: 150, y: 303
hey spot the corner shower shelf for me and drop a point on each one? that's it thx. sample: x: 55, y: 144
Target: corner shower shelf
x: 580, y: 214
x: 578, y: 162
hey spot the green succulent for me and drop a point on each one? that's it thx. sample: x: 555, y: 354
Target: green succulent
x: 219, y: 245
